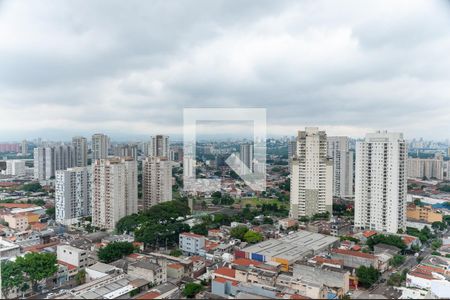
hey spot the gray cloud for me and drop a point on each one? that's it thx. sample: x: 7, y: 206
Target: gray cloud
x: 129, y: 69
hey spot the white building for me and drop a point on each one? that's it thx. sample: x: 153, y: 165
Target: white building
x: 49, y: 159
x: 72, y: 194
x: 114, y: 191
x: 312, y: 175
x: 191, y: 243
x: 79, y: 144
x: 246, y: 157
x: 156, y: 180
x: 160, y: 146
x: 380, y: 182
x: 100, y: 146
x: 339, y: 152
x: 15, y: 167
x: 73, y: 256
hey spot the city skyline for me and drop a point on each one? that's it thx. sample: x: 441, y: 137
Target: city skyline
x: 67, y: 71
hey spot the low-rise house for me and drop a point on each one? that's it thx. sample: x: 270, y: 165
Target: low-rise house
x: 99, y: 270
x: 74, y: 256
x: 336, y: 281
x: 355, y: 259
x: 175, y: 271
x: 164, y: 291
x: 191, y: 243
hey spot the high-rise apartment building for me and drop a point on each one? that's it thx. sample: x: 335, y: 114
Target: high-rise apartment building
x: 156, y: 180
x: 312, y: 174
x: 128, y: 150
x: 114, y: 191
x: 47, y: 160
x: 246, y: 157
x: 72, y: 194
x: 160, y: 146
x: 79, y: 144
x: 24, y: 148
x: 15, y: 167
x: 339, y: 152
x: 430, y: 168
x: 100, y: 146
x: 380, y: 182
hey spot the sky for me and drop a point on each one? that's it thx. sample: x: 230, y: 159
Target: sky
x: 129, y: 68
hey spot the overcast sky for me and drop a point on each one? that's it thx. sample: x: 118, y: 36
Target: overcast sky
x: 128, y: 68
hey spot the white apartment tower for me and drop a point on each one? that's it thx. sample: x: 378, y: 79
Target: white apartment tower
x: 160, y: 146
x: 72, y: 194
x: 312, y: 174
x: 380, y: 182
x: 114, y: 191
x: 47, y: 160
x: 246, y: 157
x: 339, y: 152
x: 79, y: 144
x: 100, y: 145
x: 24, y: 148
x: 15, y: 167
x: 156, y: 180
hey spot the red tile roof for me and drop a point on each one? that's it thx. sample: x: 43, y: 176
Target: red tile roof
x: 17, y: 205
x: 149, y: 295
x: 408, y: 239
x: 323, y: 260
x: 223, y: 280
x: 227, y: 272
x: 356, y: 248
x: 175, y: 266
x: 246, y: 262
x: 190, y: 234
x: 69, y: 266
x: 369, y: 233
x: 354, y: 253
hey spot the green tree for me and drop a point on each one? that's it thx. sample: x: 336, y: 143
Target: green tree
x: 12, y: 277
x: 176, y: 252
x: 392, y: 240
x: 50, y: 212
x: 80, y: 278
x: 200, y: 229
x: 32, y: 187
x: 396, y: 279
x: 253, y: 237
x: 37, y: 266
x: 238, y: 232
x: 439, y: 226
x: 367, y: 276
x: 397, y: 260
x: 191, y: 289
x: 114, y: 251
x: 436, y: 244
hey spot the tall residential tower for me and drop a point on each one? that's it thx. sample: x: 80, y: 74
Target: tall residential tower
x: 380, y: 182
x: 311, y: 177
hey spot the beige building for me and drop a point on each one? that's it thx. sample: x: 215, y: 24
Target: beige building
x: 312, y: 175
x: 431, y: 168
x: 114, y: 191
x: 17, y: 221
x: 423, y: 213
x: 79, y: 144
x: 156, y: 180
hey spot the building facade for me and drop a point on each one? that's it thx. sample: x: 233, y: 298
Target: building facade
x: 311, y: 177
x: 160, y: 146
x: 429, y: 168
x: 100, y: 146
x: 156, y: 180
x: 114, y: 191
x: 380, y: 182
x: 72, y: 194
x: 339, y: 151
x: 246, y: 157
x: 79, y: 144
